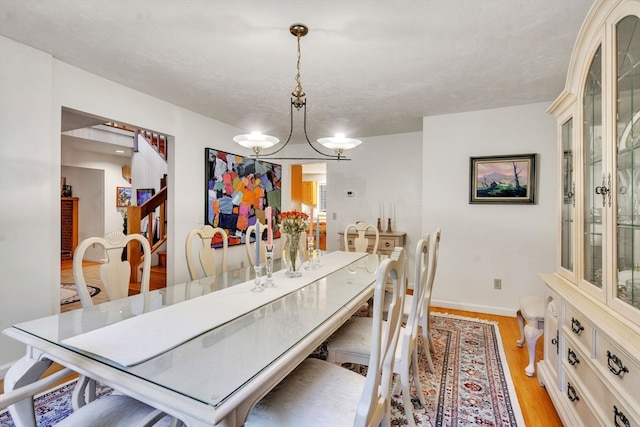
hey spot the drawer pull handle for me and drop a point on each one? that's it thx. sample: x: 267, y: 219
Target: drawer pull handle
x: 620, y: 415
x: 350, y: 242
x: 387, y: 244
x: 576, y: 327
x: 619, y: 368
x: 571, y: 393
x: 572, y: 358
x: 556, y: 341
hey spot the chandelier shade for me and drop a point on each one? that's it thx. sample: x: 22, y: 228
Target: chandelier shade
x: 258, y: 142
x: 339, y: 142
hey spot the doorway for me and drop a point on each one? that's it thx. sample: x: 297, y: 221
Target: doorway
x: 98, y: 161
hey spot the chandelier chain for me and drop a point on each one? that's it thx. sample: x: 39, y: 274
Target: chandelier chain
x: 298, y: 91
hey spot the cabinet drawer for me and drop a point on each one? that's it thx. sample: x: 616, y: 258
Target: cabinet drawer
x: 577, y: 401
x: 387, y: 243
x: 578, y: 328
x: 618, y: 367
x: 582, y: 376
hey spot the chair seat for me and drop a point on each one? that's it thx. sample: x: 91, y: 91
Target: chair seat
x: 115, y: 411
x: 354, y: 339
x: 532, y: 308
x: 286, y: 404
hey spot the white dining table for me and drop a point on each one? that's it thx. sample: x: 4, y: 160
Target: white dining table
x: 226, y: 360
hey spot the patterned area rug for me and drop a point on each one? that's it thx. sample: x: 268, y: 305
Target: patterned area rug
x: 69, y: 293
x: 471, y: 385
x: 53, y: 406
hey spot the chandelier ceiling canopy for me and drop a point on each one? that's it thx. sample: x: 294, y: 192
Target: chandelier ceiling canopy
x: 259, y: 142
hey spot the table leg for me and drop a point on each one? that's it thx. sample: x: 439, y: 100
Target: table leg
x: 25, y: 371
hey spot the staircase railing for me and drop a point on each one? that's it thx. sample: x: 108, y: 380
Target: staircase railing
x: 155, y: 229
x: 157, y: 141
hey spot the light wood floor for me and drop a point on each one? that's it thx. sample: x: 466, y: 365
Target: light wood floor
x: 537, y: 408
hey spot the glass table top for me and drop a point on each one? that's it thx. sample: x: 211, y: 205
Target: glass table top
x: 213, y: 365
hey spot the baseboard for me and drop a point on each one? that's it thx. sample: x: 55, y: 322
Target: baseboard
x: 499, y: 311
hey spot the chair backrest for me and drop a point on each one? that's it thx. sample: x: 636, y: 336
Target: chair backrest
x: 435, y: 251
x: 419, y: 294
x: 375, y: 402
x: 207, y: 254
x: 115, y: 273
x: 251, y: 247
x: 361, y: 242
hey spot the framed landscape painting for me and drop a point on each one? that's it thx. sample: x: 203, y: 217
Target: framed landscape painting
x: 509, y: 179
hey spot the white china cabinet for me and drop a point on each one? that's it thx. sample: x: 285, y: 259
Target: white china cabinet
x: 591, y: 364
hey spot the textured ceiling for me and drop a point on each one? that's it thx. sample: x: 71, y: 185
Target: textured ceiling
x: 368, y: 67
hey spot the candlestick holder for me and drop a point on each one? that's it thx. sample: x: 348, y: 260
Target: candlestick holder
x: 257, y: 287
x: 310, y: 252
x: 379, y: 225
x: 389, y: 226
x: 268, y: 256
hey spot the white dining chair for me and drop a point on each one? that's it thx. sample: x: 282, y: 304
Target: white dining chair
x: 352, y: 342
x: 115, y: 410
x: 251, y: 247
x: 115, y: 275
x: 361, y: 241
x: 206, y: 256
x: 320, y: 393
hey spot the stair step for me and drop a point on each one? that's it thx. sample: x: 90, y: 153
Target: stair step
x: 162, y: 258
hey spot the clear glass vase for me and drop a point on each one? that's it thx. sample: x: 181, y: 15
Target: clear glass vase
x: 293, y: 254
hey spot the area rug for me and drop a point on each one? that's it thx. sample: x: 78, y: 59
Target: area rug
x: 471, y: 385
x: 69, y: 293
x: 53, y: 406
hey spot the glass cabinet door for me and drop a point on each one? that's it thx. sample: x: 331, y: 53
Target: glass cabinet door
x: 569, y: 201
x: 593, y: 173
x: 628, y: 161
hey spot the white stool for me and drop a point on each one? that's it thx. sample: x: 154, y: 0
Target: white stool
x: 532, y: 311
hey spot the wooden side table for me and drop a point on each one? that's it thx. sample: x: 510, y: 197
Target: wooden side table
x: 386, y: 242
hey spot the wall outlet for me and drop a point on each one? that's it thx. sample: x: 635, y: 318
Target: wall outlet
x: 497, y: 283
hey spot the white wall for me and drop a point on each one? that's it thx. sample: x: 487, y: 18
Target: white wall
x: 383, y: 169
x: 483, y: 242
x: 29, y: 190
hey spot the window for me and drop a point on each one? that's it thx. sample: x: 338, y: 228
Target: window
x: 322, y: 200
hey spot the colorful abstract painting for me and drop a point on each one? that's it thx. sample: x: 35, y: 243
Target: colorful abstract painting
x: 238, y: 190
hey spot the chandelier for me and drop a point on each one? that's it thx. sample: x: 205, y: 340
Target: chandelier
x: 258, y: 142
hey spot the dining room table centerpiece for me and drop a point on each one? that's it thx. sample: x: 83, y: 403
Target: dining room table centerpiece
x: 293, y: 225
